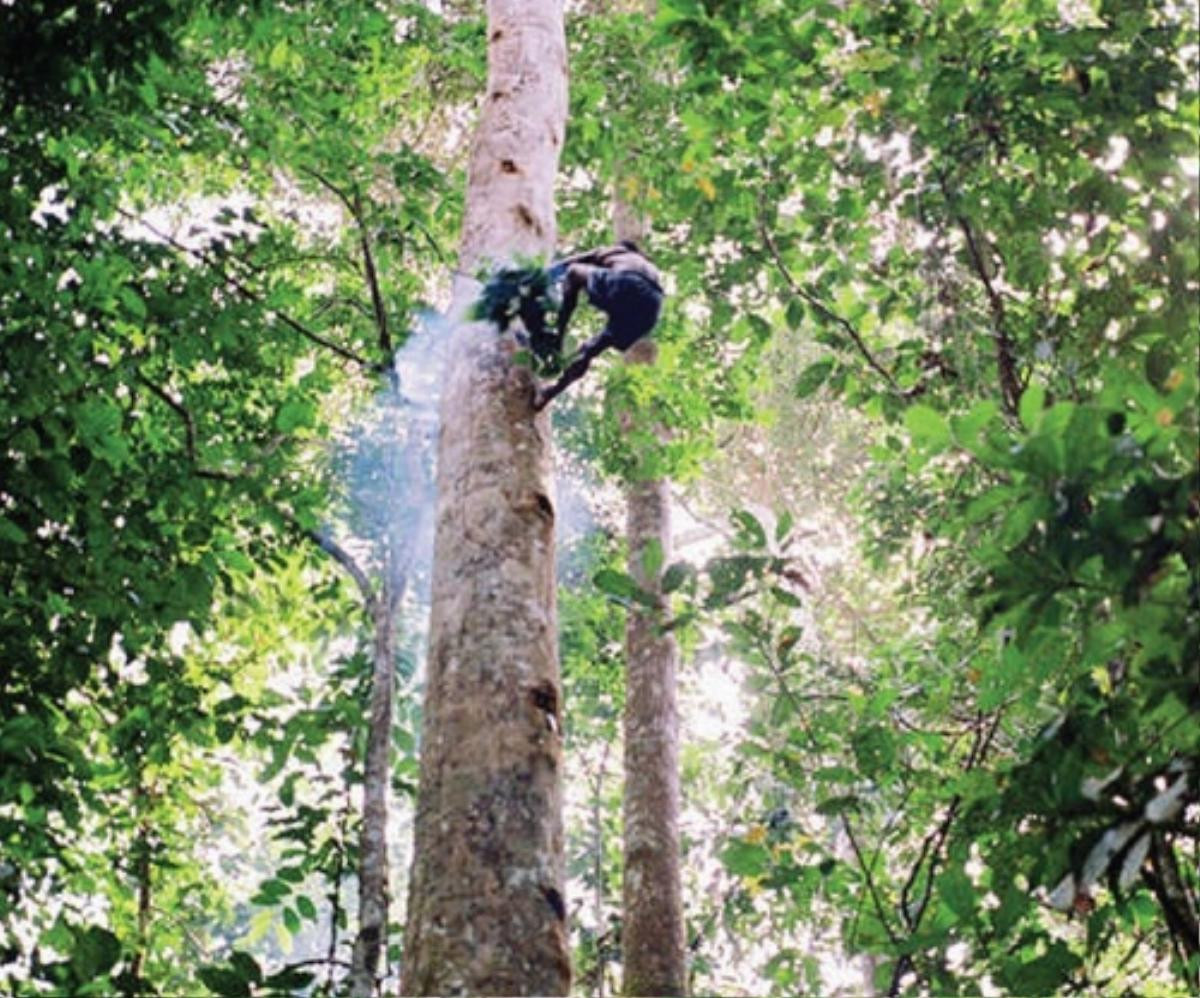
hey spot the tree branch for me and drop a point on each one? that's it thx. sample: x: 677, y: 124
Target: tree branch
x: 189, y: 430
x: 1006, y: 361
x: 320, y: 538
x: 830, y: 316
x: 372, y: 279
x: 353, y: 205
x: 931, y: 849
x: 339, y: 554
x: 248, y: 293
x: 875, y: 900
x: 1006, y: 364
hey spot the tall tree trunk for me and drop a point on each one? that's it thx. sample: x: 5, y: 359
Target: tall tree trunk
x: 487, y: 914
x: 652, y: 934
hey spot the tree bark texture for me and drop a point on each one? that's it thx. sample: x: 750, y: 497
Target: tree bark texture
x: 652, y: 936
x: 487, y: 914
x: 652, y: 933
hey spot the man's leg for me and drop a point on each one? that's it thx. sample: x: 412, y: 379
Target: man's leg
x: 575, y: 370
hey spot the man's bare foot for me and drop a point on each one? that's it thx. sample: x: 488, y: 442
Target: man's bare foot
x: 539, y: 399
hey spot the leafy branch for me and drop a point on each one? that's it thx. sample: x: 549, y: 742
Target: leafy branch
x: 249, y: 293
x: 930, y: 855
x: 189, y: 429
x: 319, y: 538
x: 1006, y: 362
x: 353, y: 203
x: 822, y: 309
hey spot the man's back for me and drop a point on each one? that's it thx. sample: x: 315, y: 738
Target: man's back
x: 620, y: 258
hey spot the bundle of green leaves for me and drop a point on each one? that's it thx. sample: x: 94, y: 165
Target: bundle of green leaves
x: 527, y: 292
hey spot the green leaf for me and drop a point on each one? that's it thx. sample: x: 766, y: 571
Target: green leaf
x: 291, y: 920
x: 1160, y: 362
x: 296, y: 414
x: 1043, y: 975
x: 750, y: 531
x: 968, y: 427
x: 305, y: 906
x: 842, y: 804
x: 745, y: 859
x: 786, y: 597
x: 958, y: 892
x: 11, y: 533
x: 290, y: 979
x: 132, y: 301
x: 279, y: 56
x: 874, y: 749
x: 652, y: 557
x: 1033, y: 401
x: 225, y: 982
x: 927, y: 426
x: 813, y: 377
x: 783, y: 526
x: 246, y: 966
x: 94, y: 952
x: 676, y: 575
x: 615, y: 583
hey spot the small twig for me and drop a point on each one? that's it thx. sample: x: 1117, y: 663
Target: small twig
x: 1010, y: 385
x: 353, y: 203
x: 346, y: 300
x: 372, y: 278
x: 1006, y: 364
x: 319, y: 961
x: 871, y: 889
x: 189, y: 430
x: 330, y: 186
x: 931, y: 849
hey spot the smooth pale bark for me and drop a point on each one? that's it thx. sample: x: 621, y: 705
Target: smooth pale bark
x: 652, y: 935
x: 487, y: 913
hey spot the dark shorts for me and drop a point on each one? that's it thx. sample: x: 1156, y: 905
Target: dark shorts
x: 631, y: 301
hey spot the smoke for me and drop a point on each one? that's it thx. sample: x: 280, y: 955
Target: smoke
x: 385, y: 461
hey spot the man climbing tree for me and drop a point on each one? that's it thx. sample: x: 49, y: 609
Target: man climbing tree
x: 620, y: 281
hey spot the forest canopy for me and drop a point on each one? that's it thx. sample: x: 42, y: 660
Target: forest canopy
x: 925, y: 394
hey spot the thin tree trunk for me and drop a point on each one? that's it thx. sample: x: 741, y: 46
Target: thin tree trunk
x: 487, y: 914
x: 652, y: 940
x: 405, y: 486
x: 373, y: 858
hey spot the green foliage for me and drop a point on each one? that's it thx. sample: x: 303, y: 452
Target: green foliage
x: 982, y: 212
x: 167, y: 391
x: 529, y: 293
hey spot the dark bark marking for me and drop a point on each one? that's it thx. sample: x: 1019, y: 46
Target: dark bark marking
x: 556, y: 902
x: 544, y: 506
x: 544, y: 697
x: 508, y: 166
x: 525, y: 217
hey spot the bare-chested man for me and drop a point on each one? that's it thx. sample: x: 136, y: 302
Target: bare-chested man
x: 624, y: 285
